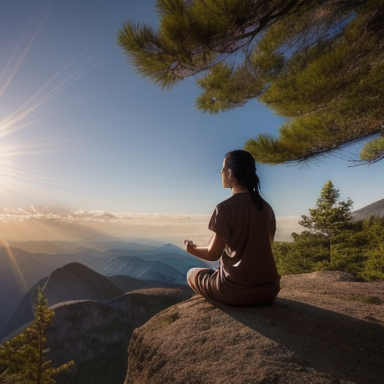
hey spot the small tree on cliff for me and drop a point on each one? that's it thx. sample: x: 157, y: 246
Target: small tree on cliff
x: 23, y: 358
x: 330, y: 215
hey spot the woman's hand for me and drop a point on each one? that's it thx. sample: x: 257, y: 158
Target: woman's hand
x: 189, y: 245
x: 212, y: 252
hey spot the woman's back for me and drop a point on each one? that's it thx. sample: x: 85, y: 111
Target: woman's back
x: 249, y: 231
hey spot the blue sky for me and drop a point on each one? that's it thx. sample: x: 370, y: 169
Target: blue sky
x: 80, y: 130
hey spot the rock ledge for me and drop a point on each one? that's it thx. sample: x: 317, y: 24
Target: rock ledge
x: 322, y: 329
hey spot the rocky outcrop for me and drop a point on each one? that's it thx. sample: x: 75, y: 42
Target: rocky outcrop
x: 73, y: 281
x: 95, y: 335
x: 322, y: 329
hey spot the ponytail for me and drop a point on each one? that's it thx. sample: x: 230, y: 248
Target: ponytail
x: 254, y: 191
x: 243, y: 167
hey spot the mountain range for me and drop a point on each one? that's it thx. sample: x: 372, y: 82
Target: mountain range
x: 25, y: 263
x: 22, y: 273
x: 94, y: 319
x: 99, y: 295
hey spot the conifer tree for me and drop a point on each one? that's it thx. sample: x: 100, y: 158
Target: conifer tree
x: 330, y: 215
x: 23, y: 359
x: 319, y: 63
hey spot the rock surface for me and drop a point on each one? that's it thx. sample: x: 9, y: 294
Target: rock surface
x: 322, y: 329
x: 95, y: 335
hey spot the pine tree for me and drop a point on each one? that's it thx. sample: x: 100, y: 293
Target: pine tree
x: 319, y: 63
x: 330, y: 215
x: 23, y: 358
x: 374, y: 252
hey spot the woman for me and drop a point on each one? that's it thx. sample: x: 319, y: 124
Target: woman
x: 244, y: 226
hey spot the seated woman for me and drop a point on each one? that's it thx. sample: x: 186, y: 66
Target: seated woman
x: 244, y: 226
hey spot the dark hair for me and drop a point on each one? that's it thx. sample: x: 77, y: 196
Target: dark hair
x: 243, y: 167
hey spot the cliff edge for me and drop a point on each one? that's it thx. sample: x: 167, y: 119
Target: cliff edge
x: 323, y: 328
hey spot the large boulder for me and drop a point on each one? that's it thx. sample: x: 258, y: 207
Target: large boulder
x: 322, y: 329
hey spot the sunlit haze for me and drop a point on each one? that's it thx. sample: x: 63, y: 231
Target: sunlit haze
x: 88, y: 148
x: 96, y: 226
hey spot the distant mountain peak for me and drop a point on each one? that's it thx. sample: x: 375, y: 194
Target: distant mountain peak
x: 374, y: 209
x: 74, y: 266
x: 169, y: 245
x: 73, y: 281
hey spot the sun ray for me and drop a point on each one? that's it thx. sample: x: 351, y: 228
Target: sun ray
x: 10, y: 123
x: 15, y: 265
x: 24, y: 116
x: 14, y: 67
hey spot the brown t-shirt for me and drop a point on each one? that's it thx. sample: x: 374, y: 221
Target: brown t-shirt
x: 248, y: 258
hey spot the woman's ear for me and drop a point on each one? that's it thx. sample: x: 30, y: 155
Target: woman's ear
x: 230, y: 177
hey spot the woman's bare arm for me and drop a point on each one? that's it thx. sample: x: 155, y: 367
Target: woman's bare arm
x: 212, y: 252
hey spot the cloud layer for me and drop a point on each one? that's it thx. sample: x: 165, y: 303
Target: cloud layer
x: 76, y: 225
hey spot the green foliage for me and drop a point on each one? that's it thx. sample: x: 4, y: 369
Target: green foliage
x: 346, y: 253
x: 330, y: 215
x: 374, y: 249
x: 228, y: 86
x: 362, y: 298
x: 373, y: 150
x: 169, y: 318
x: 308, y: 253
x: 334, y: 241
x: 320, y: 64
x: 358, y: 250
x: 23, y: 358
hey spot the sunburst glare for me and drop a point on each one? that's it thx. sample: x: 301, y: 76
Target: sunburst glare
x: 30, y: 111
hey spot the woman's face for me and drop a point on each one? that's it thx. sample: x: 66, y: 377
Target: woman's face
x: 225, y: 176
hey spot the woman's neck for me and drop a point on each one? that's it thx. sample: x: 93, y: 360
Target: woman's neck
x: 239, y: 189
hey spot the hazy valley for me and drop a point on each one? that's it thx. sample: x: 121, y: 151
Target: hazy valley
x: 99, y: 297
x: 100, y: 292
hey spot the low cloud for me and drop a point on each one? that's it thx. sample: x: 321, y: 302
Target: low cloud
x: 285, y: 226
x: 76, y: 225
